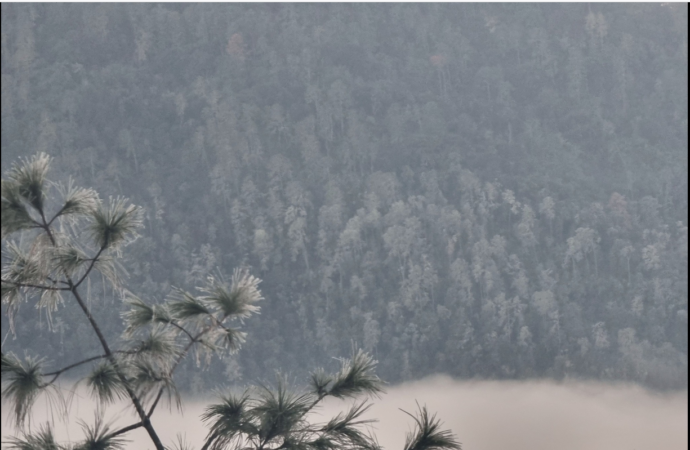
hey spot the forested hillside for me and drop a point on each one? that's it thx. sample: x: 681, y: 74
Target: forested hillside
x: 483, y: 190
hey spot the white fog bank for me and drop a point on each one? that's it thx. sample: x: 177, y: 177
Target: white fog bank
x: 484, y: 415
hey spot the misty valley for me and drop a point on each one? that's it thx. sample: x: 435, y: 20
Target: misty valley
x: 334, y: 226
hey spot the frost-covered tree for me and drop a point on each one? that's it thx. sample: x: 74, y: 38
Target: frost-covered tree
x: 55, y: 253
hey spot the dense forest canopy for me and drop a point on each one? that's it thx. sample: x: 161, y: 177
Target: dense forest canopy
x: 483, y: 190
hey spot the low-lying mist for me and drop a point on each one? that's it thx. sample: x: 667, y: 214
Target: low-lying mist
x: 484, y: 415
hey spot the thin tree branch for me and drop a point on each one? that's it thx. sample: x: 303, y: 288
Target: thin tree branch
x: 93, y: 263
x: 37, y: 286
x: 146, y: 423
x: 54, y: 281
x: 209, y: 440
x: 180, y: 327
x: 55, y: 216
x: 55, y: 374
x: 172, y: 369
x: 46, y: 227
x: 123, y: 430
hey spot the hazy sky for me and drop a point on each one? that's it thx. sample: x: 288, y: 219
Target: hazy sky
x: 487, y: 415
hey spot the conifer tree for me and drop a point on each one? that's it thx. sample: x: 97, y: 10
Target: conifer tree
x: 55, y: 253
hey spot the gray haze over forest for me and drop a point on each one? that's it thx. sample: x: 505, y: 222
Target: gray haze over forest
x: 483, y: 191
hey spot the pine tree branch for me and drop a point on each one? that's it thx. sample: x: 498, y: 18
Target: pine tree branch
x: 209, y: 440
x: 55, y: 374
x: 88, y: 270
x: 179, y: 360
x: 181, y: 328
x: 146, y: 422
x: 54, y: 281
x: 55, y: 216
x: 316, y: 402
x: 37, y: 286
x: 123, y: 430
